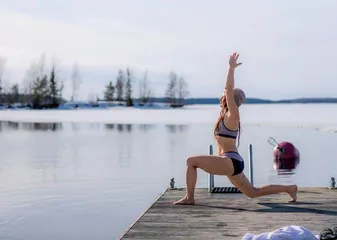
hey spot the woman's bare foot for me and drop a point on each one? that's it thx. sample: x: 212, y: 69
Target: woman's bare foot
x: 293, y: 193
x: 184, y: 201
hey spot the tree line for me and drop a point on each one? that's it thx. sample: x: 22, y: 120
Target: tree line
x: 43, y: 86
x: 176, y: 89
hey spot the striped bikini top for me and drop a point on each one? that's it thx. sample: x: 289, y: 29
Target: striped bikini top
x: 223, y: 131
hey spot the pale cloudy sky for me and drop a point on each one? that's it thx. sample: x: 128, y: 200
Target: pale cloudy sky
x: 288, y: 48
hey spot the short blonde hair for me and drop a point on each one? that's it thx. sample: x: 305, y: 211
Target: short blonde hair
x: 239, y: 96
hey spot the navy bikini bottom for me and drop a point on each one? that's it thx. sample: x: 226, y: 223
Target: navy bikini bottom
x: 237, y: 160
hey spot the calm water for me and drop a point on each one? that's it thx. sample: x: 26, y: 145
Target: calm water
x: 90, y: 181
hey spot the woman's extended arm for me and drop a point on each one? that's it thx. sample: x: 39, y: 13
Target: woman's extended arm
x: 229, y: 87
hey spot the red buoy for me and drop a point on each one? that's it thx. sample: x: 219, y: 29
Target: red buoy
x: 286, y: 156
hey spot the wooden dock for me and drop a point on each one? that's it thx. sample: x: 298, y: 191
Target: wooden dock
x: 232, y: 215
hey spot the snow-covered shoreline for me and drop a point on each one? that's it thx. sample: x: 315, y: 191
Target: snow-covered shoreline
x: 297, y: 116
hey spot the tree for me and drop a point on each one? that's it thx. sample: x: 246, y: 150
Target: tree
x: 144, y: 92
x: 40, y: 91
x: 109, y: 92
x: 55, y: 88
x: 58, y: 83
x: 2, y: 71
x: 75, y: 82
x: 170, y: 93
x: 182, y: 90
x: 128, y: 89
x: 120, y: 85
x: 28, y: 81
x: 14, y: 93
x: 176, y: 90
x: 37, y: 82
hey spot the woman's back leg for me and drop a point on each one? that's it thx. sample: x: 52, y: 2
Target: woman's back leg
x: 241, y: 182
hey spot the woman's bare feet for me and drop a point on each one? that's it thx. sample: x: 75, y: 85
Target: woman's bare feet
x: 293, y: 193
x: 184, y: 201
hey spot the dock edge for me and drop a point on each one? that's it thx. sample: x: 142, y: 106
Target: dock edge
x: 141, y: 215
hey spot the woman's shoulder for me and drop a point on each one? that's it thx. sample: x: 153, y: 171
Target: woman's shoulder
x: 230, y: 123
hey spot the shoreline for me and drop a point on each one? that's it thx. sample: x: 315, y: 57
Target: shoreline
x: 252, y: 115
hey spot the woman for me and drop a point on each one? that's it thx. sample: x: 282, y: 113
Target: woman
x: 229, y: 162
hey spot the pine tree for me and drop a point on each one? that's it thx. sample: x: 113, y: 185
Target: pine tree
x: 109, y: 92
x: 40, y: 90
x: 53, y: 87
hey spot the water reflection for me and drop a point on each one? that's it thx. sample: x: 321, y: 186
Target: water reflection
x: 176, y: 128
x: 286, y: 172
x: 120, y: 127
x: 125, y: 151
x: 146, y: 127
x: 8, y: 125
x: 42, y: 126
x: 132, y: 127
x: 129, y: 127
x: 110, y: 126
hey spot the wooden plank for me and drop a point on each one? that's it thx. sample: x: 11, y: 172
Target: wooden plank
x: 231, y: 216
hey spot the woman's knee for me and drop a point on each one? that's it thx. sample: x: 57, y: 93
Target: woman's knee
x: 191, y: 161
x: 253, y: 193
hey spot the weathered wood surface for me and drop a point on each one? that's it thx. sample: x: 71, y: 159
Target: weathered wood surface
x: 231, y: 216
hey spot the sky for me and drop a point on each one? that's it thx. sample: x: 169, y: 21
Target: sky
x: 288, y: 48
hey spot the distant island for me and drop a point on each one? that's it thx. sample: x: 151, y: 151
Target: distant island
x: 189, y: 101
x: 163, y: 102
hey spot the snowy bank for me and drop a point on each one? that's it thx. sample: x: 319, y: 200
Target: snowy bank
x: 321, y: 117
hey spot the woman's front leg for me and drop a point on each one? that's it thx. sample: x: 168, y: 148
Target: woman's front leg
x: 210, y: 164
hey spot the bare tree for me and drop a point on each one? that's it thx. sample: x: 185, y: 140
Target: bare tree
x: 170, y: 93
x: 41, y: 65
x: 2, y: 71
x: 36, y: 82
x: 142, y: 86
x: 182, y: 90
x: 75, y: 82
x: 120, y: 82
x: 28, y: 82
x: 144, y: 91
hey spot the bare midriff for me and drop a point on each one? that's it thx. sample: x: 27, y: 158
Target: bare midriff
x: 226, y: 145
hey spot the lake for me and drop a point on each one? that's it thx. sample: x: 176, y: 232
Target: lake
x: 86, y: 175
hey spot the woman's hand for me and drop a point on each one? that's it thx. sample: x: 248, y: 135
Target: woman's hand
x: 233, y: 60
